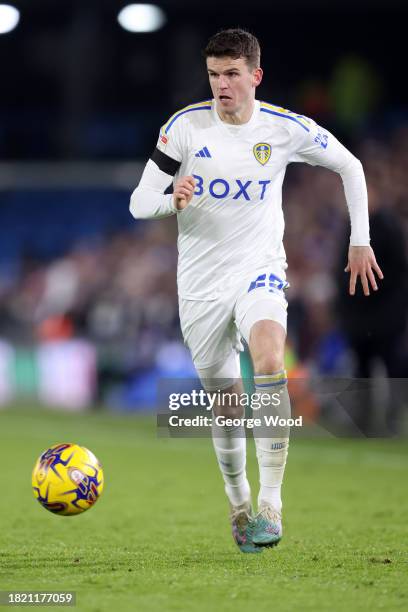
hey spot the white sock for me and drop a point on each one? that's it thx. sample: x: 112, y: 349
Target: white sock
x: 271, y: 462
x: 230, y: 449
x: 272, y: 451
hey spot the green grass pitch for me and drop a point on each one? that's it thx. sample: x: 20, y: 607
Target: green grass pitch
x: 159, y: 538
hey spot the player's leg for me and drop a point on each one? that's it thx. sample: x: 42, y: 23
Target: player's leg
x: 262, y: 322
x: 229, y: 440
x: 230, y: 447
x: 207, y: 331
x: 266, y: 344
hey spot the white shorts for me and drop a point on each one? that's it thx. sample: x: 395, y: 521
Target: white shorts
x: 213, y: 329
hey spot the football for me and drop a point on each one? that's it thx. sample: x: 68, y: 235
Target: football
x: 67, y: 479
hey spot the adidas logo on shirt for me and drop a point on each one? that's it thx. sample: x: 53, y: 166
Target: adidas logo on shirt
x: 204, y: 152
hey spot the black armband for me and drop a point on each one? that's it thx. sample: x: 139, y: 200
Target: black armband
x: 164, y: 162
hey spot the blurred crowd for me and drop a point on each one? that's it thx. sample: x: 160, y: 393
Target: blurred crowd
x: 120, y: 291
x: 316, y: 242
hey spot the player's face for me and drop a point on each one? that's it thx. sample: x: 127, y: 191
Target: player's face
x: 232, y: 83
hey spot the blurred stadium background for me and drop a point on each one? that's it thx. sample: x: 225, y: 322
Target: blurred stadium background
x: 89, y: 321
x: 88, y: 300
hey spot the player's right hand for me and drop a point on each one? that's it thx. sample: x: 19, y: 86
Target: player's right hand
x: 183, y: 191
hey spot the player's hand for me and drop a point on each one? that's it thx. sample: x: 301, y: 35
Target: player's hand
x: 362, y: 263
x: 183, y: 191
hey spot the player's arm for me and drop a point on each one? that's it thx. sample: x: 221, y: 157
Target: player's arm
x: 149, y: 199
x: 319, y: 147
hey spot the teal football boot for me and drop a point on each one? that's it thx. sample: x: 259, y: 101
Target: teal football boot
x: 243, y: 524
x: 268, y: 526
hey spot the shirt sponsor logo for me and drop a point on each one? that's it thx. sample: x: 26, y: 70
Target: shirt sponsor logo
x: 262, y: 152
x: 219, y: 188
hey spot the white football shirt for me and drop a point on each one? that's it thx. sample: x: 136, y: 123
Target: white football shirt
x: 234, y: 223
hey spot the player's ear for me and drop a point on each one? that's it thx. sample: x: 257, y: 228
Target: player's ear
x: 257, y: 76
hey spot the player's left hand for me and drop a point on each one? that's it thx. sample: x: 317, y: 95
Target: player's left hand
x: 361, y: 263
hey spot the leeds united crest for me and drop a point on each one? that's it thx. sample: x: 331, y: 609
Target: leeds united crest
x: 262, y: 152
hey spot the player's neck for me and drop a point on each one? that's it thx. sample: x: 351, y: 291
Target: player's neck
x: 239, y: 117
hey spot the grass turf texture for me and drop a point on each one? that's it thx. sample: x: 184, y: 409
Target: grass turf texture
x: 159, y: 538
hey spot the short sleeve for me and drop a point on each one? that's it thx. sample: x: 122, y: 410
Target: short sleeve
x: 170, y: 141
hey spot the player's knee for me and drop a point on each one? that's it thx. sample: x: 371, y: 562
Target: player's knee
x: 268, y: 363
x: 221, y: 376
x: 229, y: 406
